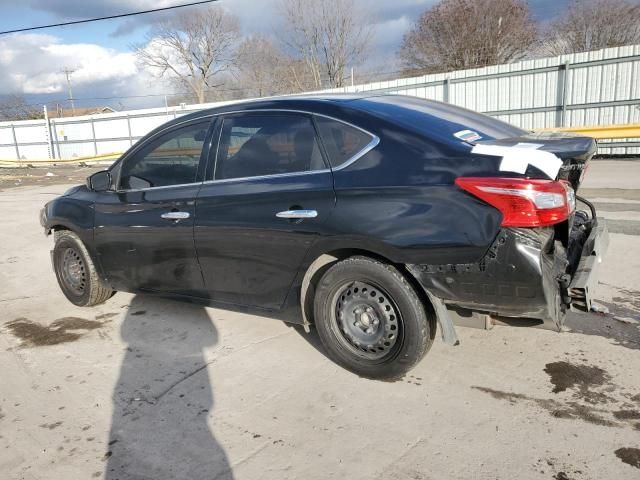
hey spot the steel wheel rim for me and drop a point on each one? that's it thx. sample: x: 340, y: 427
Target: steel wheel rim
x: 366, y: 320
x: 73, y: 271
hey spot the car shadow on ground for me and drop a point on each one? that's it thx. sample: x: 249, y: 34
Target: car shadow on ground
x: 163, y: 398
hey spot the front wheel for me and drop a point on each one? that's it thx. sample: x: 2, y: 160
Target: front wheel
x: 76, y: 273
x: 371, y: 320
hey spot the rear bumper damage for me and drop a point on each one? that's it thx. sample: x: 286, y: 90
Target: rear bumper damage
x: 526, y: 274
x: 585, y: 277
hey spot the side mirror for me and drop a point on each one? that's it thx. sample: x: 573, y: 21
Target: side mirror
x: 99, y: 181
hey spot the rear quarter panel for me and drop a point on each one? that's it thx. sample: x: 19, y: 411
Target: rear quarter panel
x: 400, y: 201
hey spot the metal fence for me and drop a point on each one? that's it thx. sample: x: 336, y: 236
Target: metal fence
x: 85, y: 135
x: 593, y: 88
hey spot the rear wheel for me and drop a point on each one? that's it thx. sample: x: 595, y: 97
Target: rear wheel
x: 76, y: 273
x: 370, y: 319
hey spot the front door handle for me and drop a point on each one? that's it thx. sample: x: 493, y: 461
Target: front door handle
x: 175, y: 215
x: 297, y: 214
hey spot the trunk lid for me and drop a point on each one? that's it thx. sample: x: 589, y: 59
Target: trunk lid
x: 573, y: 150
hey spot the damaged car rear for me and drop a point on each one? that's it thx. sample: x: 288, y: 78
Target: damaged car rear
x: 376, y: 219
x: 544, y: 257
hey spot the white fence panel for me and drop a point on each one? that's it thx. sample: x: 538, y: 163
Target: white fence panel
x: 8, y: 151
x: 113, y: 146
x: 76, y: 149
x: 30, y: 133
x: 6, y: 136
x: 111, y: 128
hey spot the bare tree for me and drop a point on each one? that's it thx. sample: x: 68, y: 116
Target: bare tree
x: 15, y: 107
x: 327, y: 35
x: 193, y: 49
x: 592, y: 25
x: 299, y: 75
x: 263, y: 69
x: 457, y: 34
x: 260, y: 67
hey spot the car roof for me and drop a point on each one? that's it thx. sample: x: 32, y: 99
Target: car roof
x: 309, y: 100
x: 430, y: 118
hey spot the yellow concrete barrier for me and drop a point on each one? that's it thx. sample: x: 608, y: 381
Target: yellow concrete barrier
x: 605, y: 132
x: 51, y: 161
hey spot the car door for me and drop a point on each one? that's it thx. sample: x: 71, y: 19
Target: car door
x: 268, y: 198
x: 144, y: 227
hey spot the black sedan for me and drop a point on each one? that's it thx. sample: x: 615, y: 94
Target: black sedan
x: 374, y: 218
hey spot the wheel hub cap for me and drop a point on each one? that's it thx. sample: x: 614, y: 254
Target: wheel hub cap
x: 366, y: 319
x: 73, y: 271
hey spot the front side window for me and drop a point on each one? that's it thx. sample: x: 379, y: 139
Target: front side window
x: 254, y: 144
x: 341, y: 141
x: 171, y: 159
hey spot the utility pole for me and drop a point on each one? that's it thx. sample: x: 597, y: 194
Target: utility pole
x: 67, y: 71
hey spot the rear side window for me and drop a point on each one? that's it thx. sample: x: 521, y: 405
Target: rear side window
x: 254, y: 145
x: 341, y: 141
x: 172, y: 159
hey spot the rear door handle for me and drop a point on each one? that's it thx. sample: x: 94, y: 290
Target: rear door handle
x: 297, y: 214
x: 175, y: 215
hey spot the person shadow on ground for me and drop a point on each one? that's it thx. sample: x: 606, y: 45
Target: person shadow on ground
x: 163, y: 397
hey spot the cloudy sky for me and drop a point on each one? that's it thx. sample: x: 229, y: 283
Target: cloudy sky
x: 100, y: 52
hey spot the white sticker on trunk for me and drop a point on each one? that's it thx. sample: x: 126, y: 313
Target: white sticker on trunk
x: 467, y: 135
x: 517, y: 158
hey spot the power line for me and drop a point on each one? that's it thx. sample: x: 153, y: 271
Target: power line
x: 110, y: 17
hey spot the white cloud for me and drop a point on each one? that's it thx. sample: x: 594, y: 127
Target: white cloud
x: 93, y: 63
x: 32, y: 65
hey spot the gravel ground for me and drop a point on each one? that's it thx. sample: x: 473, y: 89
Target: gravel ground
x: 44, y: 176
x: 145, y: 388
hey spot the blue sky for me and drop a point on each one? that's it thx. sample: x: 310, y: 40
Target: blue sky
x: 101, y: 51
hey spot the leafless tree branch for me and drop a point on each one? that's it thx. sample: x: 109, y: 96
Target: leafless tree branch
x: 15, y: 107
x: 458, y: 34
x: 326, y: 35
x: 592, y: 25
x: 193, y: 49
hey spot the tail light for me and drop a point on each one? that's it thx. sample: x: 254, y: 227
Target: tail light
x: 523, y: 202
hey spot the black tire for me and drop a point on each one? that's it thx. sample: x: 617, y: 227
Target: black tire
x: 391, y: 332
x: 76, y: 273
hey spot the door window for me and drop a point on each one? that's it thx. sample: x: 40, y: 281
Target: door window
x: 172, y: 159
x: 260, y: 144
x: 341, y: 141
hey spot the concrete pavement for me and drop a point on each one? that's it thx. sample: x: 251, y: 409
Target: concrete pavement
x: 145, y: 388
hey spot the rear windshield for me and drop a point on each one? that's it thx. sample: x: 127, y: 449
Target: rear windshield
x: 439, y: 119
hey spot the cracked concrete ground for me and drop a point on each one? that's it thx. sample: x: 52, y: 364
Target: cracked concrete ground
x: 146, y: 388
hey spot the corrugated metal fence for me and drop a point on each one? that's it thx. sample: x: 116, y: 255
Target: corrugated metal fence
x: 86, y: 135
x: 592, y: 88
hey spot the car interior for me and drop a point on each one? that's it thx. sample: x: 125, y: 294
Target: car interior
x: 270, y: 151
